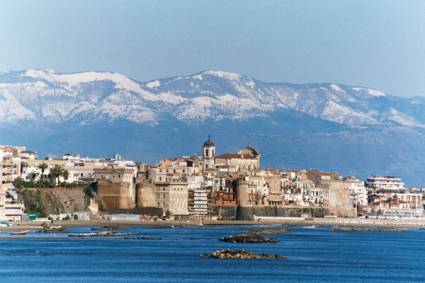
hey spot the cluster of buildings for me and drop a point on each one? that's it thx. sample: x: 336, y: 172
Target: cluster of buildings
x: 211, y: 185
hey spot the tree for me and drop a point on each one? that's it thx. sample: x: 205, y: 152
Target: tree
x: 90, y: 190
x: 57, y: 172
x: 65, y: 174
x: 43, y: 166
x: 23, y: 166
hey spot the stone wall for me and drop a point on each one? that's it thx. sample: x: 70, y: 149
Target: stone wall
x: 146, y: 195
x: 225, y: 212
x: 114, y: 196
x: 343, y: 212
x: 247, y: 213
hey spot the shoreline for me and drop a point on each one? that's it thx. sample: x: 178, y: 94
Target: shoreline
x: 324, y: 222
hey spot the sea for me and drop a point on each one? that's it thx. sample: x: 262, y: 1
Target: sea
x: 173, y: 254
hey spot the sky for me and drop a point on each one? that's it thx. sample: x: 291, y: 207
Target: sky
x: 378, y: 43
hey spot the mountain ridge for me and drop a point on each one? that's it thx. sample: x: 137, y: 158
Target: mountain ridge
x: 193, y: 96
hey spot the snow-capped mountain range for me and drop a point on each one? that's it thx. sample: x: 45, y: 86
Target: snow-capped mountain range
x: 43, y: 95
x: 352, y: 129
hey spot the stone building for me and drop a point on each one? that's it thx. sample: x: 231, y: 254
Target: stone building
x: 247, y: 159
x: 173, y: 197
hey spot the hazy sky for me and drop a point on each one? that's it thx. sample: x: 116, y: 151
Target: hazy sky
x: 379, y: 44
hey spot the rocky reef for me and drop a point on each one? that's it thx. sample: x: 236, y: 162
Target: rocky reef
x: 251, y: 238
x: 240, y: 254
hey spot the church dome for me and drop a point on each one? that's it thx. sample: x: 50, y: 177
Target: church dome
x: 249, y: 151
x: 208, y: 142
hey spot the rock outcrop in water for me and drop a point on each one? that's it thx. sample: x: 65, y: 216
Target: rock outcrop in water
x: 251, y: 238
x: 240, y: 254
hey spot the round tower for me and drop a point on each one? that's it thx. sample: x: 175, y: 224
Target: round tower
x: 242, y: 193
x: 146, y: 195
x: 208, y: 154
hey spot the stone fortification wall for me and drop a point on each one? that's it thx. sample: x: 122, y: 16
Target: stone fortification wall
x: 113, y: 196
x: 242, y: 193
x: 146, y: 195
x: 247, y: 213
x: 343, y: 212
x: 225, y: 212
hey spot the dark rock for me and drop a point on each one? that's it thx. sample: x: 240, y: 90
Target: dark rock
x: 250, y: 238
x: 240, y: 254
x: 95, y: 235
x: 142, y: 238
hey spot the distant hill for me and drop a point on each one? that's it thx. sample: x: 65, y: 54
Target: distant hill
x: 354, y: 130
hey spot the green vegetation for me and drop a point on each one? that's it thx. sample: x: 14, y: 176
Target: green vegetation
x: 19, y: 183
x: 43, y: 167
x: 34, y: 202
x: 57, y: 172
x: 47, y: 201
x: 52, y: 180
x: 90, y: 190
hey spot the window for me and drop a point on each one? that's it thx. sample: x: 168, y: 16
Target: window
x: 207, y: 152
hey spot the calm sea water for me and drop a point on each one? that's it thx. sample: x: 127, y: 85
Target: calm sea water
x: 314, y: 255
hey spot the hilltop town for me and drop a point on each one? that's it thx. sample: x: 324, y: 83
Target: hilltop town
x: 210, y: 185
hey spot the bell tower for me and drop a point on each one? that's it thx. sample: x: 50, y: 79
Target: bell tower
x: 208, y: 154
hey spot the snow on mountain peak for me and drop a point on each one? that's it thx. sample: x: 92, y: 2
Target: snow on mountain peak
x: 153, y: 84
x: 220, y: 74
x: 336, y: 87
x: 75, y: 79
x: 369, y: 91
x: 374, y: 92
x: 57, y: 96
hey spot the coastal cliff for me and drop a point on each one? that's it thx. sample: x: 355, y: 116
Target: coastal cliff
x: 47, y: 201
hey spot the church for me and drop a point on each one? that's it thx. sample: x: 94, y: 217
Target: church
x: 246, y: 159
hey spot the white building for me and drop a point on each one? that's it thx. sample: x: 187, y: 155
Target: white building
x: 384, y: 183
x: 200, y: 202
x: 358, y: 191
x: 78, y: 168
x: 13, y: 208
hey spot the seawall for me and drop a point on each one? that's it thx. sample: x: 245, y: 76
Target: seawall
x: 247, y: 213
